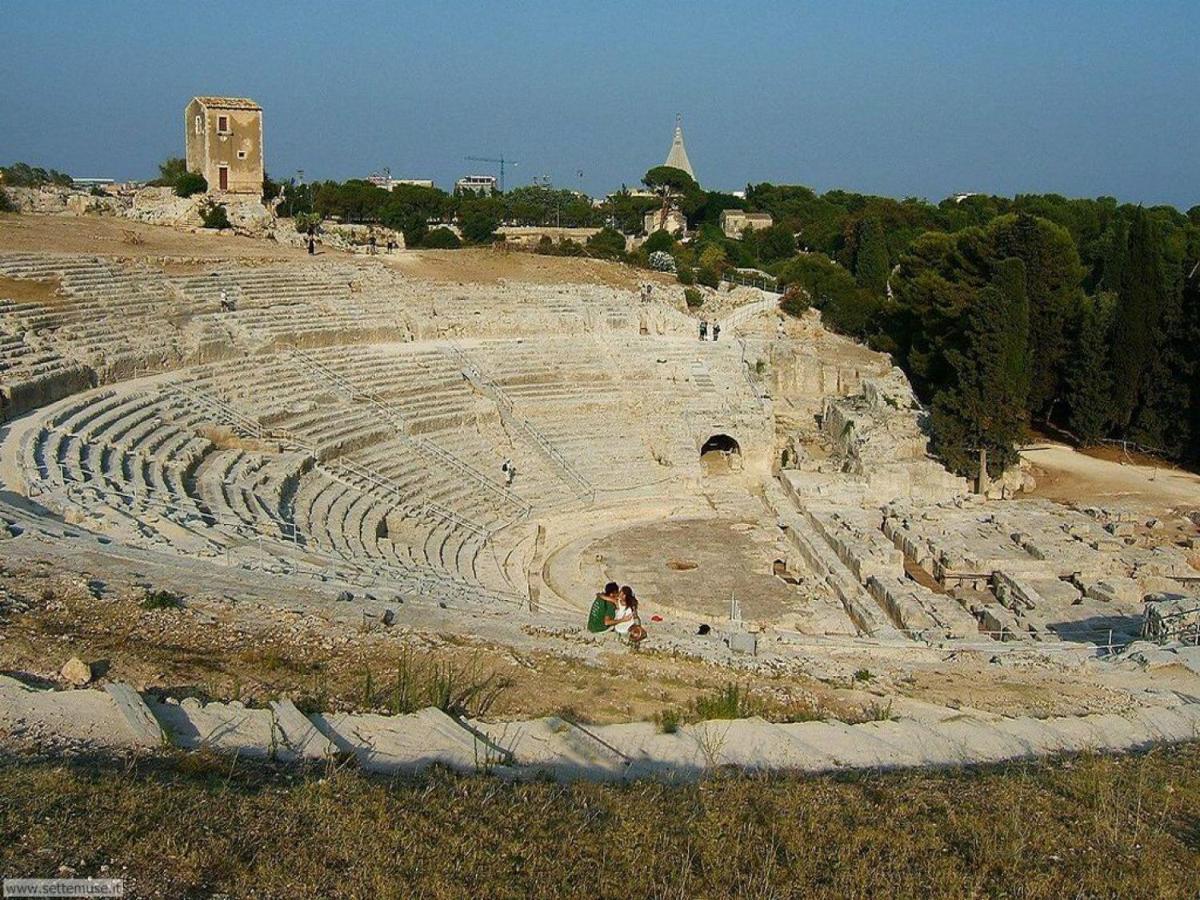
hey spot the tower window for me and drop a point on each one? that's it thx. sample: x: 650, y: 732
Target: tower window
x: 222, y: 124
x: 199, y: 125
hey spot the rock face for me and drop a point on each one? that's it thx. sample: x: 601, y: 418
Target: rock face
x: 160, y: 206
x: 76, y: 672
x: 1172, y: 617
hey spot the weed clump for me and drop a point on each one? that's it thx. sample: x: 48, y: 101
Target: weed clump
x: 161, y: 600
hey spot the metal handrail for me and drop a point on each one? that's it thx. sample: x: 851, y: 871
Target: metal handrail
x: 580, y: 485
x: 428, y: 448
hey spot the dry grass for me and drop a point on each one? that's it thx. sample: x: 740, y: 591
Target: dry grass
x: 196, y: 825
x: 216, y: 650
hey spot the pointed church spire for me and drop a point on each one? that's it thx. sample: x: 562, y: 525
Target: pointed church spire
x: 677, y: 157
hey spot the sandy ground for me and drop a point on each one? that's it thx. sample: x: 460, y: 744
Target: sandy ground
x: 1065, y: 475
x: 698, y: 564
x: 486, y: 266
x: 128, y: 239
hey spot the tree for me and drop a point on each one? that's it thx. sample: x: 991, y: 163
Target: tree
x: 871, y: 257
x: 441, y: 239
x: 24, y: 175
x: 669, y: 181
x: 271, y: 189
x: 478, y: 217
x: 410, y: 208
x: 1139, y: 306
x: 170, y: 170
x: 7, y: 204
x: 986, y: 406
x: 607, y: 243
x: 774, y: 243
x: 1088, y: 374
x: 190, y: 183
x: 1053, y: 276
x: 296, y: 199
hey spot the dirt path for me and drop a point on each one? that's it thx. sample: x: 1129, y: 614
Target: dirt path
x: 1065, y: 475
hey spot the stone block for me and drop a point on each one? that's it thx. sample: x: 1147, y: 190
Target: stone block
x: 744, y: 642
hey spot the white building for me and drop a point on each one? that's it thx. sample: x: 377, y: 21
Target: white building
x: 483, y: 185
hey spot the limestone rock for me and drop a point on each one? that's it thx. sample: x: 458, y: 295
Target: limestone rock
x: 76, y: 672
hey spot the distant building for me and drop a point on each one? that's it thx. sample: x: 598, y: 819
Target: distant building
x: 387, y: 182
x: 677, y: 156
x: 483, y: 185
x: 670, y: 220
x: 224, y: 143
x: 734, y: 221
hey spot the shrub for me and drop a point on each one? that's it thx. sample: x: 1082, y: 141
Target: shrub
x: 693, y: 297
x: 668, y: 721
x: 190, y: 183
x: 214, y: 215
x: 661, y: 261
x: 568, y: 247
x: 708, y: 277
x: 795, y: 300
x: 712, y: 257
x: 545, y: 245
x: 305, y: 221
x: 7, y: 204
x: 607, y: 243
x: 685, y: 274
x: 441, y: 239
x: 659, y: 240
x: 161, y: 600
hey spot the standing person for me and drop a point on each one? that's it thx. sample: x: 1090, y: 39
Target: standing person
x: 716, y: 330
x: 704, y: 329
x: 602, y: 615
x: 371, y: 245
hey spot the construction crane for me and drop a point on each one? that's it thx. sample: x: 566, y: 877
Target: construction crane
x: 499, y: 160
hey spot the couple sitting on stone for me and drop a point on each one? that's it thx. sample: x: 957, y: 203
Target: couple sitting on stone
x: 616, y: 610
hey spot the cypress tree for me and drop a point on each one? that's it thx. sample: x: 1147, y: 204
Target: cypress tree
x: 871, y: 257
x: 1089, y: 379
x: 1139, y: 307
x: 986, y: 407
x: 1053, y: 274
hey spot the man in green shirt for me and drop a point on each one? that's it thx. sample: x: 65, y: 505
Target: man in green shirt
x: 604, y: 607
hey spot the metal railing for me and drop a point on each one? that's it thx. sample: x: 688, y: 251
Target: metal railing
x: 580, y: 485
x: 396, y: 419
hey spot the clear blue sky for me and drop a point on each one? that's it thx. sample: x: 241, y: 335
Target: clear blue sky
x: 924, y: 99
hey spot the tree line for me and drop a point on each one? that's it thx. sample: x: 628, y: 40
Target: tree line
x: 1079, y: 314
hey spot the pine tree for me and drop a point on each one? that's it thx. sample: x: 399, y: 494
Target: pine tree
x: 871, y: 257
x: 1089, y: 379
x: 1139, y: 307
x: 986, y: 406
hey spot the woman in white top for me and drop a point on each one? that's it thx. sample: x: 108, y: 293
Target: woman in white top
x: 627, y: 611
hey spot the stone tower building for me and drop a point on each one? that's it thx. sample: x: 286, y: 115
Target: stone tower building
x: 224, y: 142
